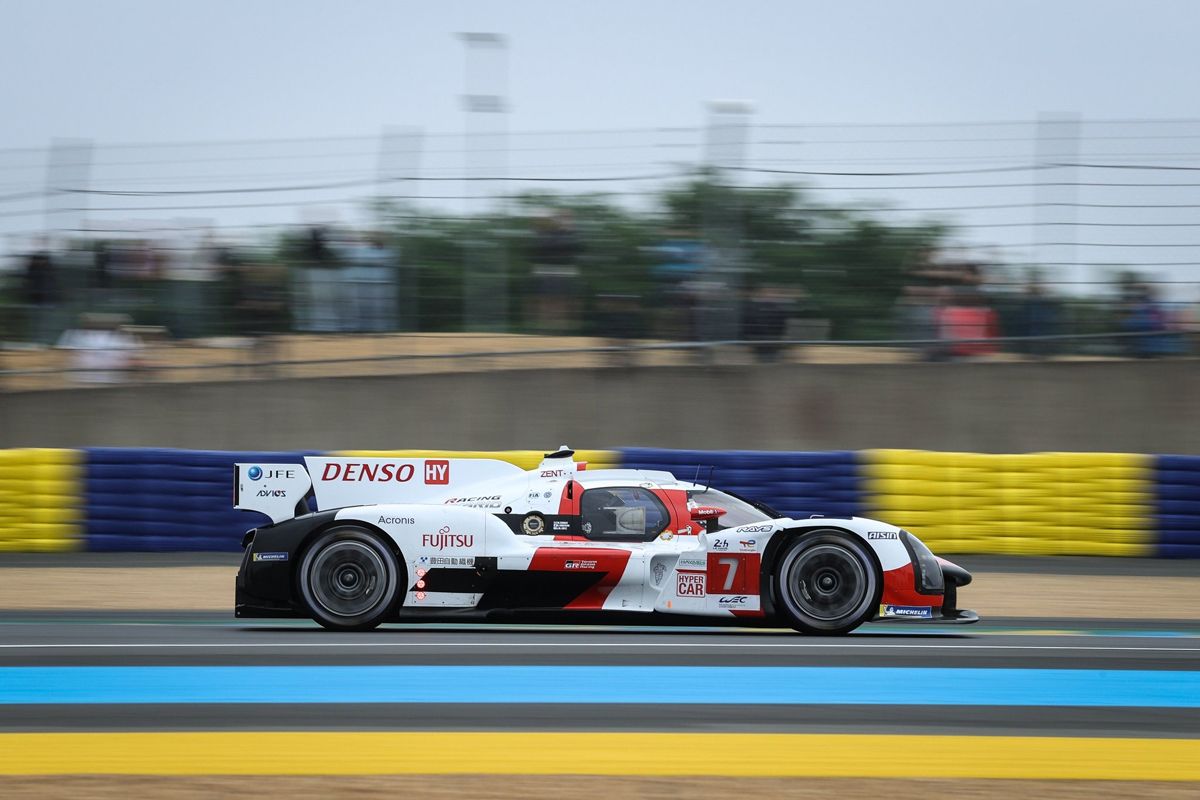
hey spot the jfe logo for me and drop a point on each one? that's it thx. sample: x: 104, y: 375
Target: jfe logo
x: 437, y: 471
x: 254, y: 473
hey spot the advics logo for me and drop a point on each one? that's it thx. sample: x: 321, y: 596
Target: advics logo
x: 254, y: 473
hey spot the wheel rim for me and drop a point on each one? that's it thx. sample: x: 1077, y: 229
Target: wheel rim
x: 827, y: 582
x: 348, y: 578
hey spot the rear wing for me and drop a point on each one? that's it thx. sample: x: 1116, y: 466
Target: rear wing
x: 278, y: 490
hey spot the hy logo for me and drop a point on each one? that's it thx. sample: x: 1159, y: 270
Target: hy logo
x: 254, y: 473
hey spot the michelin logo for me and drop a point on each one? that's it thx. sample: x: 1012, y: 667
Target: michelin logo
x: 919, y: 612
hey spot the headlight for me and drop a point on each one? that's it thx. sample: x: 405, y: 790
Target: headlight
x: 928, y: 570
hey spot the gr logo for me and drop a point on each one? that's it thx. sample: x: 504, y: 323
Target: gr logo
x: 254, y: 473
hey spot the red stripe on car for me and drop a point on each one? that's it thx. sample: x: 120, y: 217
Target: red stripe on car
x: 610, y: 564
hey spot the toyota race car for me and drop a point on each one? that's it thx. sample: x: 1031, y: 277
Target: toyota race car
x: 400, y: 539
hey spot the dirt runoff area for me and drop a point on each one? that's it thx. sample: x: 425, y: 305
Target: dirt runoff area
x: 210, y: 588
x: 487, y: 787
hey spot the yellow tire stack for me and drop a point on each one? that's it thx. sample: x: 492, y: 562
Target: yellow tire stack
x: 41, y: 500
x: 1027, y: 504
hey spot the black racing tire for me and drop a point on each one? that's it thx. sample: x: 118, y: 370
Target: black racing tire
x: 349, y: 580
x: 827, y: 583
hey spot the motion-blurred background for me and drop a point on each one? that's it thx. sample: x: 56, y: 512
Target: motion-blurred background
x: 932, y: 262
x: 1009, y: 174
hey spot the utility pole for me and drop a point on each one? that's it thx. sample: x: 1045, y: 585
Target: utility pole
x: 400, y: 151
x: 1055, y: 196
x: 68, y: 167
x: 485, y: 273
x: 725, y: 147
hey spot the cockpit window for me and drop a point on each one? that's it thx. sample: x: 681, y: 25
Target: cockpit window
x: 622, y: 512
x: 737, y: 512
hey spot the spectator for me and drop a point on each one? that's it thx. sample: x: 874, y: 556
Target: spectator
x: 192, y: 291
x: 42, y: 293
x: 321, y: 288
x: 102, y: 350
x: 371, y: 286
x: 916, y: 318
x: 966, y: 326
x: 764, y: 320
x: 555, y: 273
x: 1144, y: 317
x: 101, y: 278
x: 1037, y: 315
x: 681, y: 264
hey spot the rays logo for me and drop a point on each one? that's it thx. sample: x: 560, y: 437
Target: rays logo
x: 254, y: 473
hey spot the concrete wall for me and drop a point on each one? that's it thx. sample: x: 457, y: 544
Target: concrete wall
x: 1148, y: 407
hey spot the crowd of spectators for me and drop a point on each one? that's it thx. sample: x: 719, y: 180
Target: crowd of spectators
x: 950, y: 311
x: 329, y: 280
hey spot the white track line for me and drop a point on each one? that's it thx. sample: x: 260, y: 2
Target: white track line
x: 577, y: 645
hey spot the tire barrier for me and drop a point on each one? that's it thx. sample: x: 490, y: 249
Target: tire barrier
x: 166, y: 500
x: 41, y: 501
x: 795, y: 484
x: 1031, y: 504
x: 1116, y: 504
x: 1177, y: 506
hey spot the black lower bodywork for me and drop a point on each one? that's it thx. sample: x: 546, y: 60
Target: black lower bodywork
x: 266, y: 587
x: 266, y: 580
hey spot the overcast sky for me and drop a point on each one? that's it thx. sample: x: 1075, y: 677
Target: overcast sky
x: 198, y: 70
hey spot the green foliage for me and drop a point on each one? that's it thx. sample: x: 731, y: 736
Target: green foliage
x: 850, y: 266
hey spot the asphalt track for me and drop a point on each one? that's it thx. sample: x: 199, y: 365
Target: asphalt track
x: 206, y: 672
x: 187, y: 693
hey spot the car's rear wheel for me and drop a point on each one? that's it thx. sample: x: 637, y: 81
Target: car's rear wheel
x: 827, y: 583
x: 349, y: 579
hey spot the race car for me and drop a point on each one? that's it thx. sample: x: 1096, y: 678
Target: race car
x: 396, y: 539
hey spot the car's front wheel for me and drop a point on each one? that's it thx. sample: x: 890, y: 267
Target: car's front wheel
x: 349, y: 579
x: 826, y: 582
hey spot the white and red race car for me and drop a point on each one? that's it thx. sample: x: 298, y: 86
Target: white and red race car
x: 400, y: 539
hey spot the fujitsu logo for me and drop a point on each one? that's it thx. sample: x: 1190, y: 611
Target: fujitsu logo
x: 444, y: 538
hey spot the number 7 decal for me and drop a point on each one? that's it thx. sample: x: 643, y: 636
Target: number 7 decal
x: 733, y: 574
x: 732, y: 565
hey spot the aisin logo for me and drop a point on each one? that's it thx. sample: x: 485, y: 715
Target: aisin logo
x: 254, y: 473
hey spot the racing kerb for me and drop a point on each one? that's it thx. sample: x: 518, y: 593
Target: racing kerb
x: 1117, y: 504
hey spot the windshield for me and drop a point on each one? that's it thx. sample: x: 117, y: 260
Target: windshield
x: 737, y: 512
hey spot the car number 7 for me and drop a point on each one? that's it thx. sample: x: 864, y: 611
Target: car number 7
x: 732, y: 563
